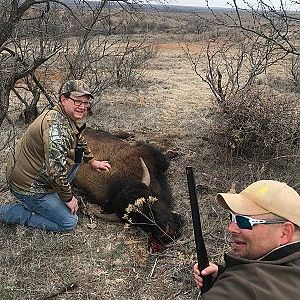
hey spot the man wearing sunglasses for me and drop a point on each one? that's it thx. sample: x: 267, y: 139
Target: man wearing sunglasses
x: 45, y: 161
x: 265, y: 259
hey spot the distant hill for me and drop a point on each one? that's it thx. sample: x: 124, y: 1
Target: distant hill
x: 179, y: 8
x: 157, y: 7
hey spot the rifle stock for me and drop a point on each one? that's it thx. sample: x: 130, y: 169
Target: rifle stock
x: 200, y: 246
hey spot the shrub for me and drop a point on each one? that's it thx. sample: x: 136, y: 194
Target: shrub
x: 128, y: 68
x: 258, y: 123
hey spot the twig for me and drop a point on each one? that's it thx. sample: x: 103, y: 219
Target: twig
x: 199, y: 295
x: 86, y: 211
x: 153, y: 268
x: 4, y: 188
x: 175, y: 295
x: 66, y: 288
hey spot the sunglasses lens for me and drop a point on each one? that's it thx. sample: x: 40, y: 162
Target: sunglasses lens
x: 243, y: 222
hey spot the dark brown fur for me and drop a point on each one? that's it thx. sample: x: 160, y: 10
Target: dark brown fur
x: 114, y: 190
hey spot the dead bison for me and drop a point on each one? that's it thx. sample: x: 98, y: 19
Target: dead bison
x: 138, y: 171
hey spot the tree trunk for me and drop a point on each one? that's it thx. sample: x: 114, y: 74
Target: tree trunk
x: 5, y: 86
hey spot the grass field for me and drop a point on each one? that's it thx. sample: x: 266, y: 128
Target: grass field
x: 110, y: 261
x: 173, y: 109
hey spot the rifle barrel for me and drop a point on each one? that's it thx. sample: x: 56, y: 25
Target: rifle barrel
x: 200, y: 245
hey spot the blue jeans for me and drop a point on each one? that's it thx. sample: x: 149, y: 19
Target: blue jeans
x: 43, y: 211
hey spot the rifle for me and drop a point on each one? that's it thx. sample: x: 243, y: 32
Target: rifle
x: 200, y: 246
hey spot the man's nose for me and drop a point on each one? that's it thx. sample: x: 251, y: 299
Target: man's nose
x: 233, y: 228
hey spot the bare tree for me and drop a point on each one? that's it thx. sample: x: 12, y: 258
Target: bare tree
x: 276, y: 24
x: 39, y: 38
x: 231, y: 67
x: 252, y: 121
x: 294, y: 70
x: 20, y: 57
x: 108, y: 57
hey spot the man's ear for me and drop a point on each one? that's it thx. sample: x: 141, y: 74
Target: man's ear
x: 62, y: 99
x: 287, y: 233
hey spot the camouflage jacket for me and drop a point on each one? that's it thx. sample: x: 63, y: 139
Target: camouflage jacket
x: 46, y: 153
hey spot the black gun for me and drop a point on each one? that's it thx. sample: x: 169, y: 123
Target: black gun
x: 200, y: 246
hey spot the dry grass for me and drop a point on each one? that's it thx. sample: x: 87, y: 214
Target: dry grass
x: 109, y: 261
x: 174, y: 110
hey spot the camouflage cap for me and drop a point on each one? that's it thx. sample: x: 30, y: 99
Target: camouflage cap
x: 76, y: 88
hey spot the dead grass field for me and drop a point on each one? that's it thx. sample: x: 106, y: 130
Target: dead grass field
x: 171, y: 110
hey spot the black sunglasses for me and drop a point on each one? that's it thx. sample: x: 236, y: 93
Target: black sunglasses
x: 79, y: 102
x: 245, y: 222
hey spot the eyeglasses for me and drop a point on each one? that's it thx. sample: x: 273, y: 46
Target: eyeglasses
x: 79, y: 102
x: 244, y: 222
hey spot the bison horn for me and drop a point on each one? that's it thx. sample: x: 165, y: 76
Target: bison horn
x: 146, y: 174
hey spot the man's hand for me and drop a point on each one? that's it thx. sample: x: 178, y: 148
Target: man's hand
x: 212, y: 270
x: 73, y: 205
x: 100, y: 165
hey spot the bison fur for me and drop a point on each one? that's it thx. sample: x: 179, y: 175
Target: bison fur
x: 113, y: 191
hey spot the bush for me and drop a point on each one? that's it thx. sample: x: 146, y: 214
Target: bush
x: 128, y: 68
x: 258, y: 123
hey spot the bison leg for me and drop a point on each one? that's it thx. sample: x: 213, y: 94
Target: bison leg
x: 108, y: 217
x: 97, y: 211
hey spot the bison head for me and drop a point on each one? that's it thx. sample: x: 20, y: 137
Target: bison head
x: 154, y: 217
x: 132, y: 201
x: 134, y: 204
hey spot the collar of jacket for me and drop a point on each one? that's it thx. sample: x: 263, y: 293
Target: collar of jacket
x: 282, y: 251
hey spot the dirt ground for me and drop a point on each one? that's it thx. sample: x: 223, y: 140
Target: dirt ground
x: 110, y: 261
